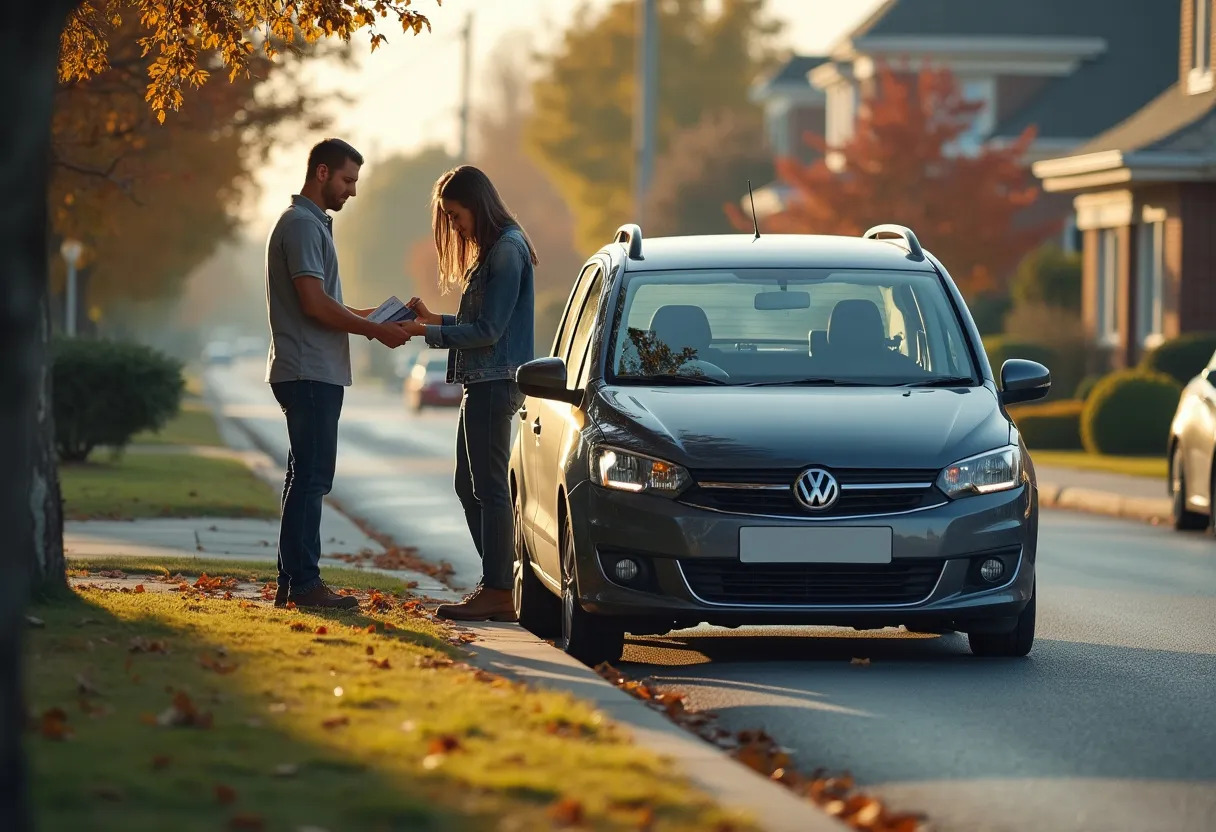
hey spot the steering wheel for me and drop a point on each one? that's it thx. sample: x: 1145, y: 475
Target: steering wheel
x: 706, y: 368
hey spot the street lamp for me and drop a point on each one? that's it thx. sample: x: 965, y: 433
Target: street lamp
x: 71, y: 250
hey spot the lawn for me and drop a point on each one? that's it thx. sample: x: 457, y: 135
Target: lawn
x: 258, y: 571
x: 154, y: 711
x: 164, y: 485
x: 194, y: 425
x: 1138, y: 466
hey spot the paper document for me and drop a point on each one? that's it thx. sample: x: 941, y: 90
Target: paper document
x: 392, y: 311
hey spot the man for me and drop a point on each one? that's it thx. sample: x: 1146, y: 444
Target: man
x: 308, y: 368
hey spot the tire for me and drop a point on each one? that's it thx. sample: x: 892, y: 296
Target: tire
x: 1184, y: 519
x: 592, y: 639
x: 1013, y: 644
x: 539, y: 610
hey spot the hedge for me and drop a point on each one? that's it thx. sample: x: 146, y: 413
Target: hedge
x: 105, y: 392
x: 1182, y: 357
x: 1129, y: 413
x: 1054, y: 426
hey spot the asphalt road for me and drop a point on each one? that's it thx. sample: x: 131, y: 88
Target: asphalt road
x: 1109, y: 724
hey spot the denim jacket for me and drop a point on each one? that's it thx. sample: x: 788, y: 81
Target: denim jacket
x: 491, y: 334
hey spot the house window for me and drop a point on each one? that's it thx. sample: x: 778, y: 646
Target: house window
x: 841, y: 113
x: 1150, y: 280
x: 1200, y: 79
x: 1108, y: 286
x: 981, y: 91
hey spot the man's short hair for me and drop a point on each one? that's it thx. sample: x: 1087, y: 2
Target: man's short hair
x: 332, y: 153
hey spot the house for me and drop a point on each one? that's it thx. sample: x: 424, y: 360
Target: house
x: 1050, y: 64
x: 1145, y: 197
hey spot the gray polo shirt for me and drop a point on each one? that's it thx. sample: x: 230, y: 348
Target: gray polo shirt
x: 302, y: 245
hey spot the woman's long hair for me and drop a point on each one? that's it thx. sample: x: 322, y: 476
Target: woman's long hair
x: 473, y: 189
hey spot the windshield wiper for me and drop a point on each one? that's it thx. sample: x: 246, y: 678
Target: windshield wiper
x: 943, y: 381
x: 673, y: 379
x: 813, y: 381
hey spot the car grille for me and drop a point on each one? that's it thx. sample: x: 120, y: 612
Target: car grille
x: 732, y: 582
x: 865, y: 491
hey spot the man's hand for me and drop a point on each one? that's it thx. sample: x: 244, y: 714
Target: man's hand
x: 425, y: 315
x: 392, y: 335
x: 413, y: 327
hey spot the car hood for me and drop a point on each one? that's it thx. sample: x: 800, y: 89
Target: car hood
x: 842, y: 427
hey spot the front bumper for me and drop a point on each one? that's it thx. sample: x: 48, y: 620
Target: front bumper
x: 675, y: 542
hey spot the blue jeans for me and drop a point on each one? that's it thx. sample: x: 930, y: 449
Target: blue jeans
x: 483, y: 454
x: 312, y: 409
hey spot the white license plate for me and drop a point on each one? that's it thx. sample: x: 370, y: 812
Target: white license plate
x: 819, y: 544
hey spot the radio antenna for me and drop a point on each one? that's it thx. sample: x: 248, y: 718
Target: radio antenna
x: 755, y: 222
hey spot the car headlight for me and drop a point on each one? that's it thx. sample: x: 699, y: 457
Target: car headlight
x: 998, y: 470
x: 614, y: 468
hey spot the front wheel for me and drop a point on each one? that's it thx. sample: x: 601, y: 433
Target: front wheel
x: 1015, y: 643
x: 1184, y: 519
x: 592, y: 639
x: 538, y: 609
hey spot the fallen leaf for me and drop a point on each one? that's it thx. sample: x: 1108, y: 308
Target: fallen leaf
x: 568, y: 811
x: 299, y: 626
x: 183, y: 713
x: 370, y: 650
x: 84, y: 687
x: 139, y: 587
x: 248, y: 605
x: 215, y: 665
x: 161, y: 761
x: 380, y: 663
x: 335, y: 721
x: 291, y: 605
x: 371, y: 628
x: 444, y: 744
x: 54, y: 725
x: 322, y: 630
x: 225, y: 794
x: 112, y: 573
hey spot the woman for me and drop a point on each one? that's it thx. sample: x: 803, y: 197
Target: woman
x: 483, y: 250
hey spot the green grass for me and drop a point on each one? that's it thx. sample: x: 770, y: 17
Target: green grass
x: 260, y: 571
x: 1137, y: 466
x: 194, y: 425
x: 164, y: 485
x: 306, y: 731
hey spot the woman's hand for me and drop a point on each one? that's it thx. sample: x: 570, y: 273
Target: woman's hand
x: 413, y: 328
x: 425, y: 315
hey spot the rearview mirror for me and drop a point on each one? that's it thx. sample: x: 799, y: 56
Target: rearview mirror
x: 783, y: 300
x: 1023, y: 381
x: 545, y: 378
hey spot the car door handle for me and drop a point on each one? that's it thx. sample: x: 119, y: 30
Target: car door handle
x: 536, y: 426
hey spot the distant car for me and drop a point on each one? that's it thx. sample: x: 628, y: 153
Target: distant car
x: 251, y: 346
x: 427, y: 384
x: 792, y: 429
x: 1192, y: 440
x: 217, y: 352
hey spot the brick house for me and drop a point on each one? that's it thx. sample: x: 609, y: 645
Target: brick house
x: 1045, y: 63
x: 1145, y: 197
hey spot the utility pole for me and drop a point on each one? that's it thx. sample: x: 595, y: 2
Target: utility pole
x: 467, y: 37
x: 644, y: 108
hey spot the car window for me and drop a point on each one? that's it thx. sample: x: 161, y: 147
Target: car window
x: 772, y: 325
x: 565, y: 331
x: 584, y: 329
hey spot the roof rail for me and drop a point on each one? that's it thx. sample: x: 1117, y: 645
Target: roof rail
x: 631, y: 235
x: 884, y: 231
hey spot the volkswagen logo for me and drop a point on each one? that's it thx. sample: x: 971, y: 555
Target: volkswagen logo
x: 816, y: 489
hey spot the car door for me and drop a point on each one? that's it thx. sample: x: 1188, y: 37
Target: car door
x: 1199, y: 435
x: 555, y: 426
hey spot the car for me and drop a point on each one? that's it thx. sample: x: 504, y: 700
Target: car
x: 427, y: 383
x: 218, y: 353
x: 772, y: 430
x: 1192, y: 440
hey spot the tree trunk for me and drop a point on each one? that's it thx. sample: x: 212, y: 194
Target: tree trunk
x: 45, y: 502
x: 28, y: 54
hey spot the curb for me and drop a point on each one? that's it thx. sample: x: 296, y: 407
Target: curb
x: 510, y: 650
x: 1145, y: 509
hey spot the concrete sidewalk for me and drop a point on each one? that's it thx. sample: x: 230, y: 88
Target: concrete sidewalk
x: 1097, y: 492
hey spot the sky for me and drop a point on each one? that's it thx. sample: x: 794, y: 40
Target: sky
x: 406, y: 95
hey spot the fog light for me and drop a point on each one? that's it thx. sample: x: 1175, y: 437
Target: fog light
x: 626, y: 569
x: 991, y: 570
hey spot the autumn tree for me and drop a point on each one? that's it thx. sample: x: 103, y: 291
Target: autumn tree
x: 904, y: 164
x: 40, y: 41
x: 706, y: 165
x: 581, y: 129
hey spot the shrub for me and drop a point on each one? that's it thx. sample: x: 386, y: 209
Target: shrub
x: 105, y: 392
x: 1129, y: 413
x: 1000, y: 349
x: 988, y: 311
x: 1050, y: 276
x: 1054, y: 426
x: 1086, y: 386
x: 1182, y: 357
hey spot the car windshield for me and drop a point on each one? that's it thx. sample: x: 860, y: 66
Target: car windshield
x: 788, y: 327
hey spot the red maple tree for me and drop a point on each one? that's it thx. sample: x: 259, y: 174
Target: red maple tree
x: 902, y: 165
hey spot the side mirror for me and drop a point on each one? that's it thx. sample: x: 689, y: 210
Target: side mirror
x: 545, y: 378
x: 1023, y: 381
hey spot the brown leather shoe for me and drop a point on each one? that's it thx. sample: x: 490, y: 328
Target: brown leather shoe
x: 483, y: 605
x: 322, y: 597
x: 280, y: 596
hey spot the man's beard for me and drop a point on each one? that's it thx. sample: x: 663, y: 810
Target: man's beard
x: 332, y: 201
